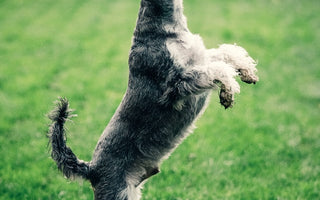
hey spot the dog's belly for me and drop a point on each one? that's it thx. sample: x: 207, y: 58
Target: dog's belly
x: 148, y: 131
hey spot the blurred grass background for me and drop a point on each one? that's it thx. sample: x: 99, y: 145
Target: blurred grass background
x: 266, y: 147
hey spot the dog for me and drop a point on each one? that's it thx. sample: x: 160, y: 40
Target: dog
x: 171, y: 76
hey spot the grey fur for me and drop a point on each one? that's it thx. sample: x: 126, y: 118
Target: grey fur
x: 165, y: 96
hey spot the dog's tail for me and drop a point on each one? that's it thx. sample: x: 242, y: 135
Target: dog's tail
x: 67, y: 162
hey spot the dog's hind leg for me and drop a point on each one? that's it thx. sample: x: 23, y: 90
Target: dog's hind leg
x: 238, y: 58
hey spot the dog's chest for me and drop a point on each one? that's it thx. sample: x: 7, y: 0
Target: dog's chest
x: 186, y: 50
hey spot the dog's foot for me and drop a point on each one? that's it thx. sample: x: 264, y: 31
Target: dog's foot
x: 224, y: 76
x: 226, y: 98
x: 248, y: 76
x: 239, y: 59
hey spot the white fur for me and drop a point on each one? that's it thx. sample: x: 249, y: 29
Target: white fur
x: 237, y: 56
x: 187, y: 50
x: 226, y: 74
x: 130, y: 193
x: 180, y: 22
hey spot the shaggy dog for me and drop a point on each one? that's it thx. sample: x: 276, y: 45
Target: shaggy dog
x: 171, y: 76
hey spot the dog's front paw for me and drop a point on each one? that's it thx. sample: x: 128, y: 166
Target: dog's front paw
x: 226, y: 98
x: 224, y: 76
x: 248, y: 76
x: 239, y: 58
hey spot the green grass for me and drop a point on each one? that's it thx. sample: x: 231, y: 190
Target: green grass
x: 266, y: 147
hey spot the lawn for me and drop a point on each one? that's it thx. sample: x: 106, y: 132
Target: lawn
x: 266, y: 147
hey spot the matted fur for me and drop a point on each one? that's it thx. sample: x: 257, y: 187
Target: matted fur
x: 171, y: 77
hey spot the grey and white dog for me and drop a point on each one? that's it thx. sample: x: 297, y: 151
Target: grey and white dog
x: 171, y: 76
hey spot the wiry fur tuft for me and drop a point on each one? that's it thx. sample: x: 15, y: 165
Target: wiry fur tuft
x: 66, y: 161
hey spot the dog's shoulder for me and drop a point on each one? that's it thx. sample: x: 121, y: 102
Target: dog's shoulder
x: 150, y: 57
x: 187, y: 49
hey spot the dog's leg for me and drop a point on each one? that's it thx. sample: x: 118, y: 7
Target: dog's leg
x: 238, y: 58
x: 198, y: 79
